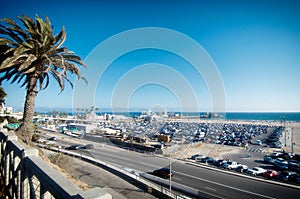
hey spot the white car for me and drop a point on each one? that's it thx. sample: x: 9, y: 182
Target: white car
x: 242, y: 168
x: 256, y: 171
x: 231, y: 165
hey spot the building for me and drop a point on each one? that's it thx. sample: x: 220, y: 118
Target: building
x: 5, y: 110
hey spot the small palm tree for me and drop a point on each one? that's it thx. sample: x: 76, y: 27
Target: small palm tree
x: 30, y: 55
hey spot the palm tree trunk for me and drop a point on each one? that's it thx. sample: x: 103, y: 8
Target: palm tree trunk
x: 26, y: 129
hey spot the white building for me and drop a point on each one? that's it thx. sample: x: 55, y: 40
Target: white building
x: 6, y: 110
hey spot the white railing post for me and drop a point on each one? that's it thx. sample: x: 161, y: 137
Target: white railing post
x: 19, y: 181
x: 25, y: 189
x: 16, y: 174
x: 6, y: 169
x: 25, y: 178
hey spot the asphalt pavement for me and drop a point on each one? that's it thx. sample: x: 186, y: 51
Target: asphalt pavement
x: 97, y: 177
x: 212, y: 182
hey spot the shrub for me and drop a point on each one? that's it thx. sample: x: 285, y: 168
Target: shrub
x: 35, y: 137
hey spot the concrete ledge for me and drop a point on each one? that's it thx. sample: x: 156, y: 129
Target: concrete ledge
x: 96, y: 193
x: 47, y: 177
x: 50, y: 178
x: 30, y: 152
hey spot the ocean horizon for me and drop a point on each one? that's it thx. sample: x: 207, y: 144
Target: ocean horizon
x: 268, y: 116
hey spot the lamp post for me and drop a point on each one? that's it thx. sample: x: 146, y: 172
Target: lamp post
x: 284, y: 130
x: 170, y: 167
x: 283, y: 125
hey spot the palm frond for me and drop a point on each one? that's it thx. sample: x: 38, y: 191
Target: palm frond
x: 5, y: 41
x: 30, y: 50
x: 59, y: 80
x: 60, y: 38
x: 16, y: 28
x: 27, y: 63
x: 11, y: 61
x: 27, y: 22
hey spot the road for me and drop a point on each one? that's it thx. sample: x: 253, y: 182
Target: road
x: 214, y: 183
x: 218, y: 184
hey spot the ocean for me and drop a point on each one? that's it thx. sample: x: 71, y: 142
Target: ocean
x: 270, y: 116
x: 264, y: 116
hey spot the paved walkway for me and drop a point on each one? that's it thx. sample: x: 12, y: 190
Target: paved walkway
x: 97, y: 177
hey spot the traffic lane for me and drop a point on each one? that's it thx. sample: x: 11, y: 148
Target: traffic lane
x: 203, y: 185
x: 149, y: 163
x: 225, y: 185
x: 216, y: 189
x: 141, y: 163
x: 197, y: 174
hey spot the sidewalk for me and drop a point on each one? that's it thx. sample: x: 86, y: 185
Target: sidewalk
x: 97, y: 177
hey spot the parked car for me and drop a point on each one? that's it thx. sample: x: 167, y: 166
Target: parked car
x: 296, y: 157
x: 298, y: 179
x: 287, y: 176
x: 276, y: 155
x: 281, y: 164
x: 163, y: 173
x: 220, y: 162
x: 197, y: 156
x: 258, y: 142
x: 288, y: 156
x: 207, y: 160
x: 74, y: 147
x: 230, y: 165
x: 276, y: 145
x: 256, y: 171
x: 294, y: 165
x: 270, y: 174
x: 268, y: 159
x: 242, y: 168
x: 88, y: 146
x: 52, y: 138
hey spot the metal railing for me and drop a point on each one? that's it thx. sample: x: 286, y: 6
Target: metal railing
x: 26, y: 175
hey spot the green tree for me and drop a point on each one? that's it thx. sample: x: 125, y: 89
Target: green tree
x: 30, y: 55
x: 54, y: 113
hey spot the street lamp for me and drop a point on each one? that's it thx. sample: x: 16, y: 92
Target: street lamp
x: 170, y: 167
x: 283, y: 125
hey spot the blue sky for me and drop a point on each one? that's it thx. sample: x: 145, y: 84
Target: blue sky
x: 254, y: 45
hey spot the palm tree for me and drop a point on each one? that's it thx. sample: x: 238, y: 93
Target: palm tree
x: 30, y: 55
x: 92, y: 108
x: 2, y: 96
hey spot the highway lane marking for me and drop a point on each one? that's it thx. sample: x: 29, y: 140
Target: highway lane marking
x: 131, y: 160
x: 223, y: 185
x: 176, y: 178
x: 141, y: 163
x: 212, y: 189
